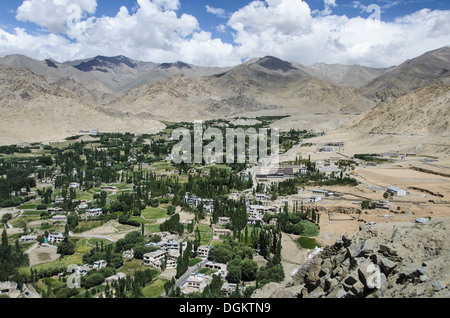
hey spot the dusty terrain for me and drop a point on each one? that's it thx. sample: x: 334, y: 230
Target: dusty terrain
x: 43, y: 254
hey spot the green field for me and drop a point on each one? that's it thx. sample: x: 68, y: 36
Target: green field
x: 205, y: 234
x: 151, y: 213
x: 155, y: 289
x: 311, y: 229
x: 153, y: 228
x: 32, y: 213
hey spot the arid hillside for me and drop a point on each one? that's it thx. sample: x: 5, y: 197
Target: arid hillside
x: 425, y: 112
x: 34, y: 110
x: 43, y: 100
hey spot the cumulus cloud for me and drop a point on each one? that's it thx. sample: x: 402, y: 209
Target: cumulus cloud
x: 306, y: 39
x: 152, y: 32
x: 155, y: 31
x: 277, y: 16
x: 55, y: 14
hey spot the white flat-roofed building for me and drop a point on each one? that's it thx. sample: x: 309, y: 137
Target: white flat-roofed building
x: 83, y: 269
x: 261, y: 196
x: 263, y: 209
x: 59, y: 218
x: 203, y: 251
x: 173, y: 254
x: 91, y: 213
x: 82, y: 206
x: 314, y: 199
x: 254, y: 217
x: 128, y: 254
x: 100, y: 264
x: 8, y: 287
x: 115, y: 278
x: 152, y: 257
x: 228, y: 288
x: 196, y: 281
x: 396, y: 191
x: 28, y: 238
x: 55, y: 238
x: 54, y: 210
x: 224, y: 220
x: 221, y: 268
x: 172, y: 244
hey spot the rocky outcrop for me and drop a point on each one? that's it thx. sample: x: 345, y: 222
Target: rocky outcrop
x: 371, y: 264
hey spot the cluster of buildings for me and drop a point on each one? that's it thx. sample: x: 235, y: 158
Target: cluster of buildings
x: 160, y: 258
x: 280, y: 173
x: 168, y: 252
x: 198, y: 281
x: 390, y: 155
x: 92, y: 132
x: 194, y: 202
x: 256, y: 212
x: 82, y: 270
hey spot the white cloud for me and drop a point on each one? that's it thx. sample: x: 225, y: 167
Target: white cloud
x: 219, y: 12
x: 329, y: 4
x: 288, y: 29
x: 167, y: 4
x: 292, y: 33
x: 361, y: 6
x: 36, y: 46
x: 55, y: 14
x: 221, y: 28
x: 278, y: 16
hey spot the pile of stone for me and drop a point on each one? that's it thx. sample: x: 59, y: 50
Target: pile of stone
x: 359, y: 267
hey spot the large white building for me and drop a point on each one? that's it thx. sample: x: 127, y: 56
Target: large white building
x: 94, y: 213
x: 55, y: 238
x: 314, y: 199
x: 396, y: 191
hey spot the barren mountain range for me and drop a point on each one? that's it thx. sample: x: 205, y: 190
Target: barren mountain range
x: 46, y: 100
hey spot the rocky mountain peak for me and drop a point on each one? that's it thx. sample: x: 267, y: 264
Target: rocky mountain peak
x: 103, y: 63
x: 179, y: 65
x: 275, y: 64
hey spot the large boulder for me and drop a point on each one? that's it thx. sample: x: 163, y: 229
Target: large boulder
x: 369, y: 274
x: 312, y: 278
x: 386, y: 265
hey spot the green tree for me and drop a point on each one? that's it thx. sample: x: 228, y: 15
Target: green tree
x: 249, y: 270
x: 4, y: 238
x: 66, y: 248
x: 234, y: 274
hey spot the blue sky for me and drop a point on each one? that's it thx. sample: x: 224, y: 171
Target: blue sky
x: 226, y: 32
